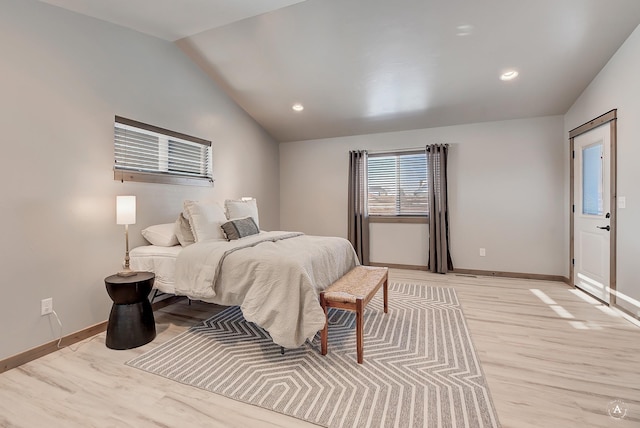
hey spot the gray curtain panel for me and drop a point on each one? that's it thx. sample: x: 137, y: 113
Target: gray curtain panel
x: 439, y: 254
x: 358, y: 216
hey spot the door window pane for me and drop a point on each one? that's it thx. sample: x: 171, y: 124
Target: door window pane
x: 592, y: 180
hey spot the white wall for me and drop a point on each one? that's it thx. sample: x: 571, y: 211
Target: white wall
x: 617, y: 86
x: 64, y: 77
x: 506, y: 192
x: 399, y: 244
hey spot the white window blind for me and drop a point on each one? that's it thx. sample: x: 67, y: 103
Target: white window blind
x: 397, y: 184
x: 148, y: 153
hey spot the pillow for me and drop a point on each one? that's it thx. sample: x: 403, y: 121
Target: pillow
x: 239, y: 228
x: 183, y: 231
x: 162, y: 235
x: 205, y: 219
x: 241, y: 209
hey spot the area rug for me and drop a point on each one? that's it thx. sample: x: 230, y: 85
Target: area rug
x: 420, y: 368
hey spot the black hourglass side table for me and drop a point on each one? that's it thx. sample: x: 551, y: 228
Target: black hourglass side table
x: 131, y: 323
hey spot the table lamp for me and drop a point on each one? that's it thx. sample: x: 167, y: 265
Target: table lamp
x: 126, y: 214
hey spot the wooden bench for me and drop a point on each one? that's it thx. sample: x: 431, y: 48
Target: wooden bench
x: 352, y: 292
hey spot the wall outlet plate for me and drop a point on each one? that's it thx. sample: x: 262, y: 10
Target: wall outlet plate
x: 46, y: 306
x: 622, y: 202
x: 483, y: 252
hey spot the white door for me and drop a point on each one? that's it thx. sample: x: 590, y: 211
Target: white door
x: 592, y: 168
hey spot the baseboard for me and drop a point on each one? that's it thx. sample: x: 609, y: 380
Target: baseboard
x: 517, y: 275
x: 627, y: 311
x: 49, y: 347
x: 397, y: 266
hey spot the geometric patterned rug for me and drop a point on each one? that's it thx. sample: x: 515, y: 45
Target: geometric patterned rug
x: 420, y: 368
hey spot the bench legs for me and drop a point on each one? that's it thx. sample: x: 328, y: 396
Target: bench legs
x: 385, y: 294
x: 324, y: 333
x: 359, y: 310
x: 359, y: 332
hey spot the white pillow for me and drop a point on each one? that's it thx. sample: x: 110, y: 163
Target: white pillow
x: 162, y: 235
x: 183, y: 231
x: 241, y: 209
x: 205, y: 219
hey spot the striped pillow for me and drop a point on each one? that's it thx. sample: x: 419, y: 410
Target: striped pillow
x: 239, y: 228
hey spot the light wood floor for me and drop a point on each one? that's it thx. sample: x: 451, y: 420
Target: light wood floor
x: 543, y: 369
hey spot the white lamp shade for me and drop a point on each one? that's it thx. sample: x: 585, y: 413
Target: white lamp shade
x: 125, y: 209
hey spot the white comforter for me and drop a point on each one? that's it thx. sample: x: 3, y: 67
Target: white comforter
x: 275, y: 278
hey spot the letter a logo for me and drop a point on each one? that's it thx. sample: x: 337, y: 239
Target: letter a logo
x: 617, y: 409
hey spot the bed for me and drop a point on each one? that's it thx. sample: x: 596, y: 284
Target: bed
x: 275, y: 277
x: 159, y: 260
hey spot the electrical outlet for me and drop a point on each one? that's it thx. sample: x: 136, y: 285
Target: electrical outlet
x: 622, y: 202
x: 483, y: 252
x: 46, y: 306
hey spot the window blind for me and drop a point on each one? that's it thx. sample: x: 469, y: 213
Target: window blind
x: 142, y: 150
x: 397, y: 184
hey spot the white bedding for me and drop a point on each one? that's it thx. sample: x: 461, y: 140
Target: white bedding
x: 159, y: 260
x: 275, y: 282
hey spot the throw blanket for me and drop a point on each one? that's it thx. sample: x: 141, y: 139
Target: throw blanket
x: 275, y: 278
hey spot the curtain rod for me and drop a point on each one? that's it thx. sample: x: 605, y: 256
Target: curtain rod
x: 413, y: 149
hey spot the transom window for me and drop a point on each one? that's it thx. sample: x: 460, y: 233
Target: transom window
x: 397, y: 184
x: 148, y: 153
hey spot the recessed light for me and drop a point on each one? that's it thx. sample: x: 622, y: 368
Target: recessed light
x: 509, y: 75
x: 464, y: 30
x: 297, y: 107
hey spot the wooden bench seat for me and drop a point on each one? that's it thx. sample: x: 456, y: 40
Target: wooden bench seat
x: 352, y: 292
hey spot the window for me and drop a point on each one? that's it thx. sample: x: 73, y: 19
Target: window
x: 151, y: 154
x: 592, y: 180
x: 397, y: 184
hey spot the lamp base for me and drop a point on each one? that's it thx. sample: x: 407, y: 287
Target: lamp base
x: 127, y: 272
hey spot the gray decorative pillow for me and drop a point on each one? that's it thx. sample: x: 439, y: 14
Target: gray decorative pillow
x: 239, y: 228
x: 241, y: 209
x: 183, y: 231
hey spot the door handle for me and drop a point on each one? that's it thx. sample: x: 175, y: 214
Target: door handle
x: 607, y: 227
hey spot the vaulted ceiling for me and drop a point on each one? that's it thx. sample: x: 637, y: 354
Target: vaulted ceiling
x: 369, y: 66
